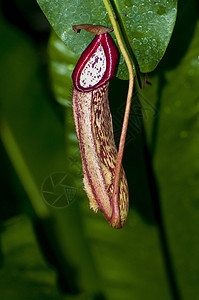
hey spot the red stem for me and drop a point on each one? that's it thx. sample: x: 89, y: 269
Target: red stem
x: 116, y: 210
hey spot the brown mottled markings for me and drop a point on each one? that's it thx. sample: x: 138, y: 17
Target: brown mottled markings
x: 98, y: 152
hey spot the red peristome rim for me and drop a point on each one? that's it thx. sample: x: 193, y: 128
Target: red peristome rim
x: 111, y: 53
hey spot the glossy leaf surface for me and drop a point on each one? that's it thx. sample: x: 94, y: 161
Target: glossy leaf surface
x: 147, y: 26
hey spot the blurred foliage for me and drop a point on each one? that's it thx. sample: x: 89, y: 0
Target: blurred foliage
x: 24, y: 272
x: 62, y: 250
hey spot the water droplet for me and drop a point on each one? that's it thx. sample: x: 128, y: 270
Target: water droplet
x: 139, y: 28
x: 136, y: 43
x: 144, y: 16
x: 150, y: 14
x: 161, y: 36
x: 147, y: 52
x: 134, y: 9
x: 145, y: 40
x: 136, y: 1
x: 137, y: 52
x: 173, y: 10
x: 154, y: 43
x: 137, y: 18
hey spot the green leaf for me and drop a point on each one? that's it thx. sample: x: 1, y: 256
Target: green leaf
x: 174, y: 143
x: 24, y: 272
x: 147, y: 27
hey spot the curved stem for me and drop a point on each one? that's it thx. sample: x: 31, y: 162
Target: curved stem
x: 126, y: 114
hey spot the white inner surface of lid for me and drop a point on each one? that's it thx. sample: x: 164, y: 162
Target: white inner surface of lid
x: 94, y: 69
